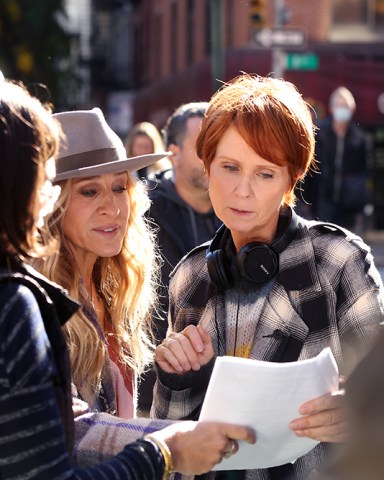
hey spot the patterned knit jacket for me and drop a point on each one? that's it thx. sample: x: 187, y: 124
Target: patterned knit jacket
x: 327, y: 293
x: 56, y: 308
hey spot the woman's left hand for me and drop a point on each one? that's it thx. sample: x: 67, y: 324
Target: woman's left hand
x: 324, y: 419
x: 185, y: 351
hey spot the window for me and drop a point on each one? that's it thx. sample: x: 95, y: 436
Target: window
x: 350, y: 12
x: 358, y: 12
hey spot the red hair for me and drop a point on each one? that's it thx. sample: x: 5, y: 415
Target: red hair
x: 270, y: 115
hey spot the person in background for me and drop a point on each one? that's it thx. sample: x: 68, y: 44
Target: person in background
x: 181, y: 210
x: 36, y: 424
x: 180, y: 205
x: 144, y: 138
x: 342, y: 152
x: 270, y: 285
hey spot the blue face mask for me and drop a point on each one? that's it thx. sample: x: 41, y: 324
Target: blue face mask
x: 342, y: 114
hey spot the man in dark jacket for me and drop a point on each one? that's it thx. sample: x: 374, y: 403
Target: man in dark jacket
x: 181, y: 209
x: 342, y: 151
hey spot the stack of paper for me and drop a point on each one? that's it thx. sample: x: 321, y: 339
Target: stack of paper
x: 266, y: 396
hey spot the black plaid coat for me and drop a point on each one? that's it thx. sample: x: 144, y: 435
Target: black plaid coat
x: 327, y: 293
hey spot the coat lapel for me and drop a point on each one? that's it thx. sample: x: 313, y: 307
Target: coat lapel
x: 295, y: 305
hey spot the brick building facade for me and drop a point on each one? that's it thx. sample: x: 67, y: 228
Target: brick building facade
x: 175, y: 60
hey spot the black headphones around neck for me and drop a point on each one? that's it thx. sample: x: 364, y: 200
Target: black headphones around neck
x: 256, y: 262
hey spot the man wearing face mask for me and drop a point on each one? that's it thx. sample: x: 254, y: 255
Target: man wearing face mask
x: 342, y: 152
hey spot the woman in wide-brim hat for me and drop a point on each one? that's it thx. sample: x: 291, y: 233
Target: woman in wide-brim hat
x: 36, y: 421
x: 106, y: 260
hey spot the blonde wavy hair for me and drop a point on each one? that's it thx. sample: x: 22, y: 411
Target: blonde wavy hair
x: 126, y: 283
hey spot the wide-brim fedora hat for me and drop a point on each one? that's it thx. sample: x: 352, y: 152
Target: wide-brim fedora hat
x: 90, y: 147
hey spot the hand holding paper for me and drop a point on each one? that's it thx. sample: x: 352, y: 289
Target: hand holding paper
x: 266, y: 396
x: 324, y: 419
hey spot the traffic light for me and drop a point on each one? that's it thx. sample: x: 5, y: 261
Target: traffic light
x: 258, y: 13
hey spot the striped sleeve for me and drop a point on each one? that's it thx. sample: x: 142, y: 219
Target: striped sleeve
x: 32, y: 444
x: 31, y: 434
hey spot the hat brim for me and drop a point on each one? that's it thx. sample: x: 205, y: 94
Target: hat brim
x: 129, y: 164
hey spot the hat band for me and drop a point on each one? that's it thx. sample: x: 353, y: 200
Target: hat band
x: 87, y: 159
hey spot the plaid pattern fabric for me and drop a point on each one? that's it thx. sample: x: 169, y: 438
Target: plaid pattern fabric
x: 100, y: 436
x: 328, y: 293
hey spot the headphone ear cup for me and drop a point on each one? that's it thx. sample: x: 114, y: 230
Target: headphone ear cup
x: 257, y: 262
x: 218, y: 269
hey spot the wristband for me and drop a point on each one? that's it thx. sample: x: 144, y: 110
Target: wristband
x: 165, y: 451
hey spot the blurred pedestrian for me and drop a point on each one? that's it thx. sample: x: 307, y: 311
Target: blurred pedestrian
x: 181, y: 210
x: 342, y: 151
x: 144, y: 138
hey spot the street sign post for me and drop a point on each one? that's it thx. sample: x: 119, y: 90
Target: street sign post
x: 286, y: 38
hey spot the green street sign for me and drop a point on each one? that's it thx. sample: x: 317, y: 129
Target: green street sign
x: 302, y: 61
